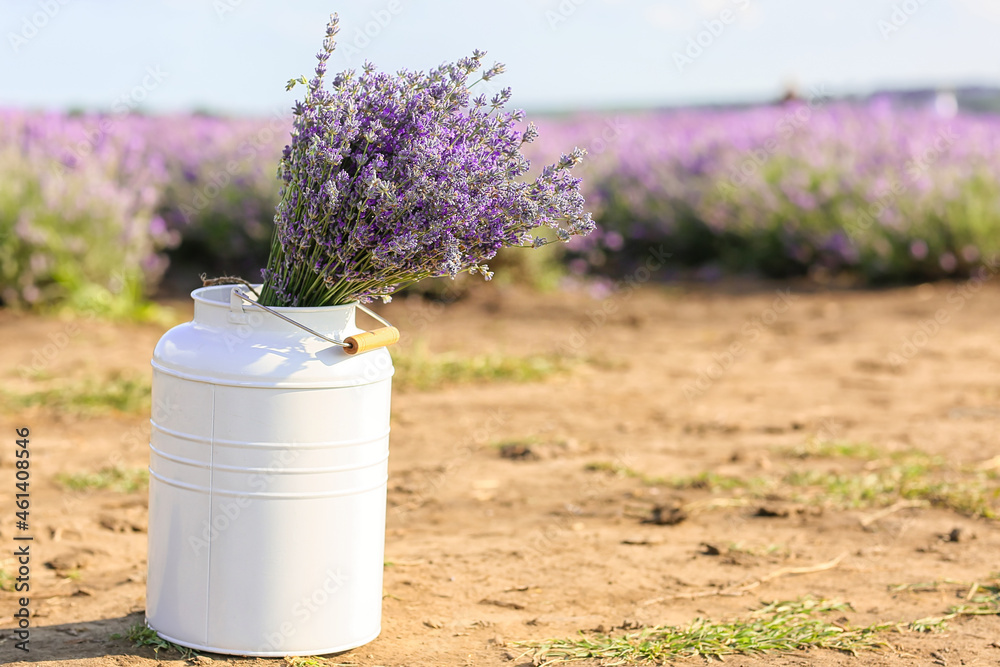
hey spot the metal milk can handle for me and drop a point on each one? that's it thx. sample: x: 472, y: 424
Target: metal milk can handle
x: 356, y: 344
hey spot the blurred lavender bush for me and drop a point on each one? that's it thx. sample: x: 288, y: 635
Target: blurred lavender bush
x: 91, y: 205
x: 94, y: 208
x: 77, y: 214
x: 883, y: 194
x: 221, y: 193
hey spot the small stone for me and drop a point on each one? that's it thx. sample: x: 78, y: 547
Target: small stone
x: 667, y: 515
x: 516, y: 451
x: 772, y: 512
x: 71, y: 560
x: 710, y: 550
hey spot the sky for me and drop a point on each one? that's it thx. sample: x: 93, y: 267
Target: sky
x: 235, y: 56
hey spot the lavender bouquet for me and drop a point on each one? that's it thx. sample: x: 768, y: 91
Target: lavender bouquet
x: 390, y: 179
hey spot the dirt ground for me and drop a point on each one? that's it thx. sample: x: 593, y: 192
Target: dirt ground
x: 484, y: 550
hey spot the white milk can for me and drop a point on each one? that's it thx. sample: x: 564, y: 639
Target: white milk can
x: 268, y: 469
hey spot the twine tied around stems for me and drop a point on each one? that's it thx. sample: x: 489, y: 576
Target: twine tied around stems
x: 226, y: 280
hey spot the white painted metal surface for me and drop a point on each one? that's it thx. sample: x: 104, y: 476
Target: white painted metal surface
x: 268, y: 470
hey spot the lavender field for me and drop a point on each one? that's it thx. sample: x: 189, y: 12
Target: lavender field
x: 95, y: 208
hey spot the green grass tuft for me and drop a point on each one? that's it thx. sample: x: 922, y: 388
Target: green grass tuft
x: 858, y: 451
x: 122, y: 480
x: 981, y: 599
x: 779, y: 626
x: 966, y: 494
x: 120, y: 392
x: 614, y: 468
x: 418, y: 369
x: 310, y: 661
x: 884, y: 479
x: 715, y: 482
x: 143, y: 636
x: 833, y: 449
x: 708, y: 480
x: 762, y: 551
x: 529, y: 441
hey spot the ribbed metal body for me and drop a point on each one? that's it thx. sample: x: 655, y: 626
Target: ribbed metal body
x: 268, y: 470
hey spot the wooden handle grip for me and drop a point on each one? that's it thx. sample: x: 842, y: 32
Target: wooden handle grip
x: 371, y: 340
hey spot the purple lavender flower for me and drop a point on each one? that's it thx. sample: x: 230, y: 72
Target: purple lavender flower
x: 390, y: 179
x: 918, y: 249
